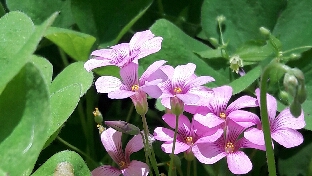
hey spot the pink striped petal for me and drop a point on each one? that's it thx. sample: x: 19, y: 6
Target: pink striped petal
x: 179, y: 147
x: 96, y: 63
x: 106, y: 84
x: 286, y: 120
x: 150, y: 47
x: 200, y: 81
x: 136, y: 168
x: 188, y: 98
x: 111, y: 140
x: 135, y: 144
x: 239, y: 163
x: 208, y: 153
x: 150, y: 73
x: 163, y: 134
x: 106, y: 170
x: 120, y: 94
x: 182, y: 74
x: 104, y: 53
x: 139, y: 38
x: 244, y: 116
x: 210, y: 120
x: 287, y: 137
x: 255, y: 136
x: 271, y: 105
x: 221, y: 98
x: 129, y: 75
x: 242, y: 102
x: 183, y: 122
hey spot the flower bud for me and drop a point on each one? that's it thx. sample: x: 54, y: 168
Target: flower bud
x: 220, y: 19
x: 177, y: 106
x: 284, y: 97
x: 123, y: 127
x: 176, y: 160
x: 301, y: 94
x: 140, y: 102
x: 98, y: 118
x: 290, y: 82
x: 295, y: 108
x: 214, y: 41
x: 294, y: 56
x: 298, y: 74
x: 235, y: 63
x: 264, y: 31
x: 189, y: 156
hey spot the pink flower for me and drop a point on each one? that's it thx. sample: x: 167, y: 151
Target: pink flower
x: 141, y: 44
x: 283, y: 127
x: 130, y: 85
x: 111, y: 140
x: 189, y: 134
x: 184, y: 84
x: 228, y: 146
x: 217, y: 111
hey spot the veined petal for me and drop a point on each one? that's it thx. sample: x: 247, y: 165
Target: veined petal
x: 106, y: 84
x: 233, y: 130
x: 104, y: 53
x: 286, y: 120
x: 200, y: 81
x: 111, y: 140
x: 179, y: 147
x: 152, y: 90
x: 139, y: 38
x: 166, y: 102
x: 255, y: 136
x: 196, y: 109
x: 287, y: 137
x: 245, y: 143
x: 184, y: 124
x: 221, y: 98
x: 120, y: 94
x: 182, y: 74
x: 106, y: 170
x: 210, y: 120
x: 120, y: 54
x: 149, y: 47
x: 163, y: 134
x: 239, y: 163
x: 150, y: 73
x: 168, y: 70
x: 136, y: 168
x: 188, y: 98
x: 129, y: 74
x: 271, y: 105
x: 135, y: 144
x: 96, y: 63
x: 208, y: 153
x: 244, y: 116
x: 242, y: 102
x: 210, y: 138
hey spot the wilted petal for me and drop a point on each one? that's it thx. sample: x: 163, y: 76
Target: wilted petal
x: 96, y: 63
x: 163, y: 134
x: 208, y: 153
x: 135, y: 144
x: 239, y: 163
x: 106, y: 170
x: 136, y: 168
x: 242, y: 102
x: 287, y: 137
x: 106, y: 84
x: 179, y: 147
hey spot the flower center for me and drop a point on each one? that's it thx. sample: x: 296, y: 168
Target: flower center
x: 135, y: 88
x: 122, y: 164
x: 222, y: 115
x: 177, y: 90
x: 189, y: 140
x: 229, y: 147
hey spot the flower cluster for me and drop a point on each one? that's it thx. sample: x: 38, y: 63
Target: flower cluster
x: 217, y: 128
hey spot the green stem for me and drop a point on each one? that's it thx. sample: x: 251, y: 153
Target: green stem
x: 173, y: 146
x: 188, y: 169
x: 146, y: 154
x: 195, y: 167
x: 161, y: 8
x: 264, y: 115
x: 149, y: 148
x: 76, y: 149
x: 129, y: 113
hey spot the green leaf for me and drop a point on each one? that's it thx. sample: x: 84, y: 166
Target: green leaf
x: 63, y: 104
x: 24, y: 119
x: 293, y: 25
x: 44, y: 66
x: 2, y: 11
x: 238, y: 26
x: 210, y: 54
x: 39, y: 11
x: 77, y: 45
x: 108, y: 20
x: 73, y: 74
x: 12, y: 62
x: 179, y: 48
x: 79, y: 166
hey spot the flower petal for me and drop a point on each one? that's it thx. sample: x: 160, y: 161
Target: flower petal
x: 198, y: 81
x: 106, y: 170
x: 184, y: 124
x: 196, y: 109
x: 242, y: 102
x: 287, y: 137
x: 111, y: 140
x: 96, y: 63
x: 129, y: 75
x: 139, y: 38
x: 255, y: 136
x: 208, y: 153
x: 136, y: 168
x: 221, y: 98
x: 104, y: 53
x: 182, y: 74
x: 150, y: 47
x: 179, y: 147
x: 120, y: 94
x: 271, y: 105
x: 106, y: 84
x: 286, y: 120
x: 239, y: 163
x: 135, y: 144
x: 240, y: 116
x: 210, y: 120
x: 188, y: 98
x: 163, y: 134
x: 152, y: 90
x: 150, y: 73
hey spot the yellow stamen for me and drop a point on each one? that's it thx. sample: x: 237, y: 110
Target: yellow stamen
x: 189, y: 140
x: 122, y: 164
x: 135, y: 88
x: 222, y: 115
x: 229, y: 147
x: 177, y: 90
